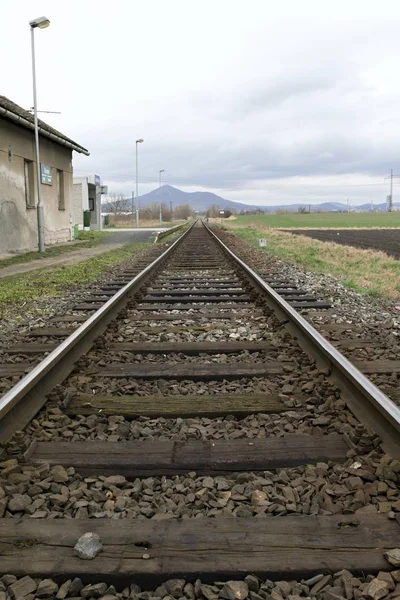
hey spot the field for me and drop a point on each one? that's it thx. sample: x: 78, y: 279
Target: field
x: 321, y: 220
x: 386, y: 240
x: 368, y: 271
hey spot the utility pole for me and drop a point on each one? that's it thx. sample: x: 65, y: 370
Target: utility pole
x: 390, y: 197
x: 133, y: 206
x: 170, y: 208
x: 348, y: 205
x: 159, y: 177
x: 139, y: 141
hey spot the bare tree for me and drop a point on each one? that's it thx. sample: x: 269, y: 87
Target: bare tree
x: 116, y: 204
x: 152, y: 212
x: 213, y: 211
x: 184, y: 211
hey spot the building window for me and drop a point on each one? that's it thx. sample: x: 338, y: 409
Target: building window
x: 29, y: 186
x: 60, y: 190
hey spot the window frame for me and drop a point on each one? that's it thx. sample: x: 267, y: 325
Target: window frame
x: 60, y: 189
x: 29, y: 184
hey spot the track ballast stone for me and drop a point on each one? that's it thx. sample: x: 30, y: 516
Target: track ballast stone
x: 342, y: 585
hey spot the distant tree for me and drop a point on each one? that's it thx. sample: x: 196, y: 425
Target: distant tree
x: 213, y: 211
x: 166, y: 213
x: 116, y: 204
x: 152, y: 212
x: 227, y: 213
x: 302, y: 210
x: 184, y: 211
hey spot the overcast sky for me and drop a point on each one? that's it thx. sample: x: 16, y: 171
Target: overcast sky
x: 259, y: 101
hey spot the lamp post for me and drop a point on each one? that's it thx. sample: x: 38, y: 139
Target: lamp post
x: 139, y: 141
x: 42, y: 23
x: 159, y: 177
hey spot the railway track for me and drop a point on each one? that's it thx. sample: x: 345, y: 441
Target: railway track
x: 205, y: 432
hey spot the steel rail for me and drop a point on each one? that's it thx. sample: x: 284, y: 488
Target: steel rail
x: 369, y: 404
x: 20, y: 404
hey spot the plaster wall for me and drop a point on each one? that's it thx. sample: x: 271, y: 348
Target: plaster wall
x: 83, y: 190
x: 77, y: 209
x: 18, y: 223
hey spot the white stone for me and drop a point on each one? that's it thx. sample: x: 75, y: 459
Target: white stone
x: 88, y: 546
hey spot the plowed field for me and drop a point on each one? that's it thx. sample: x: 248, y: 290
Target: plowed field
x: 386, y: 240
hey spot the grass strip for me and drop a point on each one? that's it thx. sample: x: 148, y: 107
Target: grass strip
x: 171, y: 235
x: 321, y: 220
x: 88, y: 239
x: 50, y: 282
x: 369, y: 272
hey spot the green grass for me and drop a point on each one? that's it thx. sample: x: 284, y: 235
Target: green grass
x: 88, y: 239
x: 365, y: 271
x: 94, y: 237
x: 334, y: 220
x: 51, y: 282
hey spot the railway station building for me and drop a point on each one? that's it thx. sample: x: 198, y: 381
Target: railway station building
x: 86, y: 196
x: 18, y: 180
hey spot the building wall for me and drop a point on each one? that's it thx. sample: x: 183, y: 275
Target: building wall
x: 77, y: 203
x: 84, y: 188
x: 95, y: 217
x: 18, y: 223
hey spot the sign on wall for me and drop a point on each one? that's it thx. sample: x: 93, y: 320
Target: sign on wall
x: 46, y: 174
x: 97, y: 180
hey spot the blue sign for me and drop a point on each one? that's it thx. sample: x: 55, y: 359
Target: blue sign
x: 46, y: 174
x: 97, y: 180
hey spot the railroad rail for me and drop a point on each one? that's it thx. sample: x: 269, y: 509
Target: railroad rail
x: 234, y: 345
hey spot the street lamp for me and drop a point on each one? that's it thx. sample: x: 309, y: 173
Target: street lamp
x: 159, y: 177
x: 41, y: 23
x: 139, y: 141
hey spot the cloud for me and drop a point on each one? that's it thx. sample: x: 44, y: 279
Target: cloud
x: 258, y: 101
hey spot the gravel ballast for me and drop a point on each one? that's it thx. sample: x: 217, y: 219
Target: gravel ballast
x: 361, y: 485
x: 342, y: 585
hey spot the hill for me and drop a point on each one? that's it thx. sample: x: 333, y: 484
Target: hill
x: 201, y: 201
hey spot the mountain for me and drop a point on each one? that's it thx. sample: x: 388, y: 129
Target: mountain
x: 198, y: 200
x: 201, y: 201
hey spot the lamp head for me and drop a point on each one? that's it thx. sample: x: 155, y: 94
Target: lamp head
x: 139, y: 141
x: 41, y: 22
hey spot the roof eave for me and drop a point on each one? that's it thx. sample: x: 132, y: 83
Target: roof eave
x: 55, y: 138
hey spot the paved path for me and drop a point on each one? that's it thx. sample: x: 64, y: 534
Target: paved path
x: 108, y: 243
x: 128, y: 236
